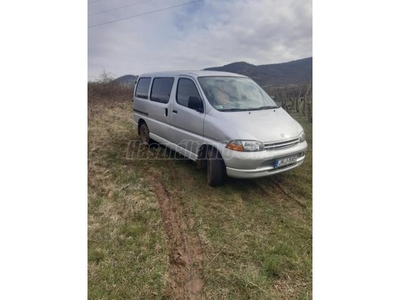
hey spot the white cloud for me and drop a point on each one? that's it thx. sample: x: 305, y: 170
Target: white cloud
x: 200, y: 35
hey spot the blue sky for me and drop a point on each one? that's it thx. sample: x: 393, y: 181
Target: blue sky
x: 195, y: 36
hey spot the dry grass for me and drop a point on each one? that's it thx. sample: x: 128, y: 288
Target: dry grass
x: 127, y: 248
x: 255, y: 239
x: 107, y: 95
x: 256, y: 242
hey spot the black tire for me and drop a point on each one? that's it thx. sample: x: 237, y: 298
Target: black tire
x: 216, y: 169
x: 144, y: 134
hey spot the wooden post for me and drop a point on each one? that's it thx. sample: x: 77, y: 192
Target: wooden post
x: 310, y: 110
x: 306, y: 104
x: 297, y: 104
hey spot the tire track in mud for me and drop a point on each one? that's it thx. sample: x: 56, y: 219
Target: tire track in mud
x: 283, y: 190
x: 289, y: 194
x: 185, y: 252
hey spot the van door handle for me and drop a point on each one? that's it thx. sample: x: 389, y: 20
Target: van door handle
x: 166, y: 112
x: 174, y: 111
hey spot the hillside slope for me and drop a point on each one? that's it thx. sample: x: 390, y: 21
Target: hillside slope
x: 293, y: 72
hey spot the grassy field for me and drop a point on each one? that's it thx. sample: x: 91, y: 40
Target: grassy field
x: 156, y: 230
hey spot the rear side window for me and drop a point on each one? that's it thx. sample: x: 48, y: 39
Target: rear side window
x: 161, y: 89
x: 142, y: 87
x: 186, y: 89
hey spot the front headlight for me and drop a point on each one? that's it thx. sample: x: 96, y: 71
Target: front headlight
x: 245, y: 146
x: 302, y: 137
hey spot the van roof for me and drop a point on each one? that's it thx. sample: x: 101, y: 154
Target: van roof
x: 191, y: 73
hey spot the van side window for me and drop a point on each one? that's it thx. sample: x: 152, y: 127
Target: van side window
x: 161, y: 89
x: 186, y: 89
x: 142, y: 87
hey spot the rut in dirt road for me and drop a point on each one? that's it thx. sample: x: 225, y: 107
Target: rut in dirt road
x: 185, y: 254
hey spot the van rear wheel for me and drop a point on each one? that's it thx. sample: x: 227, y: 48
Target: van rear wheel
x: 144, y: 134
x: 216, y: 170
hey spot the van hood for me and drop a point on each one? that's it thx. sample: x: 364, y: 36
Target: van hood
x: 263, y: 125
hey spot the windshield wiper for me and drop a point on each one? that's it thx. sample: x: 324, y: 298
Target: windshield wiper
x: 265, y: 107
x: 249, y: 108
x: 234, y: 109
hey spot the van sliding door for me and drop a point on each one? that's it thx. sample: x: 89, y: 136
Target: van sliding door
x: 158, y: 110
x: 186, y: 123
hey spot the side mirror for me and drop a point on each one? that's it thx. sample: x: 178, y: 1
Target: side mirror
x: 196, y: 104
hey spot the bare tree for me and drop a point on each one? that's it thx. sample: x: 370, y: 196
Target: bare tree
x: 105, y: 77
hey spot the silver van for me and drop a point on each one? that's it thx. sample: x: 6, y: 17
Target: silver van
x: 223, y: 121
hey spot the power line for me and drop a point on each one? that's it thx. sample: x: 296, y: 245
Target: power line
x: 132, y: 4
x: 150, y: 12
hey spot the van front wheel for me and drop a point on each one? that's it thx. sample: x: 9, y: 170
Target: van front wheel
x: 144, y: 134
x: 215, y: 168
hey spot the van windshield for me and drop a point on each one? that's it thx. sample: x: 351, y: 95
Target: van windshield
x: 235, y: 93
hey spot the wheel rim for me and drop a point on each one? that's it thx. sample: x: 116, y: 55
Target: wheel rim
x: 208, y: 167
x: 144, y: 134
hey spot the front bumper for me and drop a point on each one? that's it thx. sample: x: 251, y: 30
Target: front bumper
x: 261, y: 172
x: 261, y: 164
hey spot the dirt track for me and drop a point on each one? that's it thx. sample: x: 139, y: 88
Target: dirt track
x: 185, y: 253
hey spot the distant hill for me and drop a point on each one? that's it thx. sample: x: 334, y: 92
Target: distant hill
x: 128, y: 80
x: 293, y: 72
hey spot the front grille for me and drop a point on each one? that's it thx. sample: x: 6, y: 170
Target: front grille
x: 279, y: 145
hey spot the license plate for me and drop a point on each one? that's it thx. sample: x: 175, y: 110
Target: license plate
x: 285, y: 161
